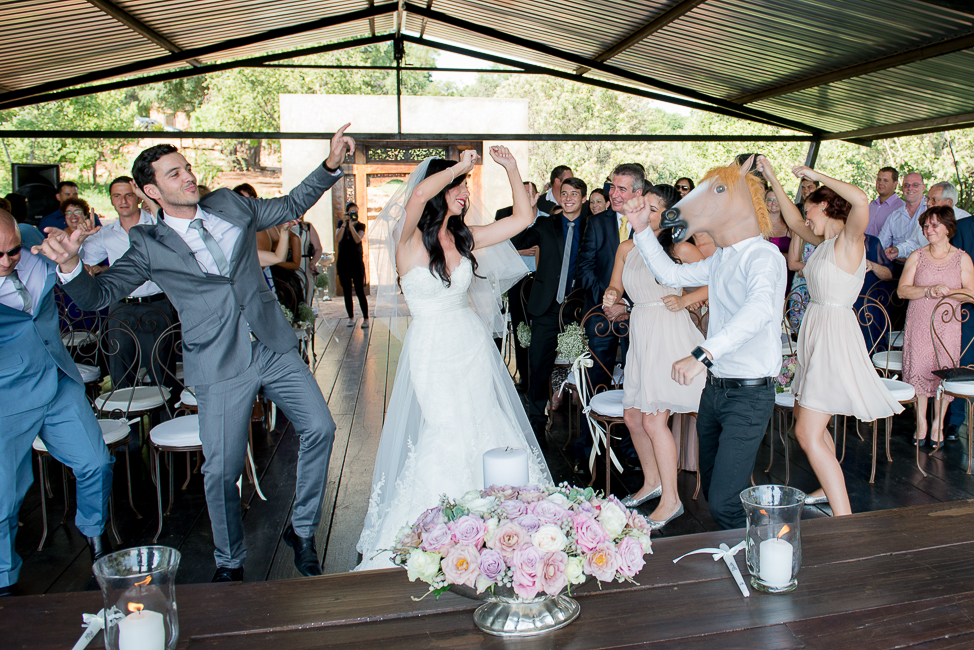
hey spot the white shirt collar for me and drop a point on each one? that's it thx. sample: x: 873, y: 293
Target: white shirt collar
x: 182, y: 225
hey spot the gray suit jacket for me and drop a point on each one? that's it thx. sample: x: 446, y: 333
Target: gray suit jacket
x: 214, y: 310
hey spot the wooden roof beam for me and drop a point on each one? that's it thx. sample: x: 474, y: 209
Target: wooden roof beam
x: 139, y: 27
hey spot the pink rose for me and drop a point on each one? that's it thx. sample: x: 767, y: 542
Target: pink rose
x: 602, y: 562
x: 588, y: 532
x: 529, y: 523
x: 513, y: 508
x: 411, y: 539
x: 437, y: 539
x: 552, y: 578
x: 547, y: 511
x: 461, y: 566
x: 526, y: 561
x: 502, y: 492
x: 586, y: 508
x: 530, y: 494
x: 630, y: 553
x: 638, y: 522
x: 507, y: 538
x: 430, y: 518
x: 468, y: 530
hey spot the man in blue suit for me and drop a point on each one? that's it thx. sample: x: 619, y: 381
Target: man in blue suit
x: 41, y: 393
x: 957, y: 411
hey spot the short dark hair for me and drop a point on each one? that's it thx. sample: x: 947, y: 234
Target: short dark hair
x: 558, y: 172
x: 245, y: 187
x: 892, y: 170
x: 600, y: 192
x: 349, y: 205
x: 117, y: 180
x: 577, y: 183
x: 943, y: 214
x: 836, y: 207
x: 635, y: 171
x: 142, y: 167
x: 64, y: 184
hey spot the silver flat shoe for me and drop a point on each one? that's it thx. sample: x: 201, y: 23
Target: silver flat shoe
x: 656, y: 525
x: 815, y: 501
x: 631, y: 502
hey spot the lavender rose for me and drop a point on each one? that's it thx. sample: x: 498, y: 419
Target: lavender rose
x: 553, y: 577
x: 461, y: 566
x: 513, y: 508
x: 491, y: 564
x: 437, y: 539
x: 431, y: 517
x: 548, y: 511
x: 469, y: 530
x: 630, y: 553
x: 529, y: 523
x: 502, y: 492
x: 530, y: 494
x: 588, y: 532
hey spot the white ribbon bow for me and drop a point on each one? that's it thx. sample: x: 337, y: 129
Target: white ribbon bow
x: 727, y: 555
x: 599, y: 435
x: 93, y: 624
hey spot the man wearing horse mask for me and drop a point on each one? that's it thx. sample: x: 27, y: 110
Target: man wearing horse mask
x: 742, y: 351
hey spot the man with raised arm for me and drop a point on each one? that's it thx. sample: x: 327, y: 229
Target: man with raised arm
x: 203, y: 254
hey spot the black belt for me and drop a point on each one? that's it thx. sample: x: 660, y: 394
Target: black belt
x: 733, y: 382
x: 156, y: 297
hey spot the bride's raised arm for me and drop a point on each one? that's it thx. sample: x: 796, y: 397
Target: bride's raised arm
x: 523, y: 215
x: 427, y: 189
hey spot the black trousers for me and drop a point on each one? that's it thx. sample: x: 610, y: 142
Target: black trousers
x: 730, y: 425
x: 147, y: 321
x: 517, y: 317
x: 348, y: 277
x: 542, y: 353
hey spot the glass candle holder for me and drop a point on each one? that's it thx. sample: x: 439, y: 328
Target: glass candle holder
x: 774, y: 543
x: 139, y: 589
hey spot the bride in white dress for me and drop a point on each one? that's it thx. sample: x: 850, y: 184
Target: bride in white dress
x: 453, y: 398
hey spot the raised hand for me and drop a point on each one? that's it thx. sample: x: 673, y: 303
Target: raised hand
x: 503, y: 157
x: 763, y: 165
x: 469, y: 158
x: 801, y: 171
x: 636, y: 210
x: 60, y: 248
x: 340, y: 145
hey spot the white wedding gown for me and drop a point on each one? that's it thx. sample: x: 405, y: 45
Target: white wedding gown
x: 453, y: 399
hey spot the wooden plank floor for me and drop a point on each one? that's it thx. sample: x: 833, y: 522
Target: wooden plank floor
x: 355, y: 369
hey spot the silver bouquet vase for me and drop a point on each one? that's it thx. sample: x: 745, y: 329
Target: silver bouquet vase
x: 504, y: 613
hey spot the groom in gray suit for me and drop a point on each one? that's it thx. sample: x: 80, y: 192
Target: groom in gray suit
x: 203, y: 254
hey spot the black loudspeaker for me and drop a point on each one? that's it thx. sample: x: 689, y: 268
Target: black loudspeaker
x: 31, y: 174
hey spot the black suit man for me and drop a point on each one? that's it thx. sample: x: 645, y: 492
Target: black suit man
x: 956, y: 412
x: 558, y: 237
x: 552, y: 198
x: 203, y: 254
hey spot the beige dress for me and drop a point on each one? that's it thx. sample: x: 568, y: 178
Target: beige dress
x: 834, y: 374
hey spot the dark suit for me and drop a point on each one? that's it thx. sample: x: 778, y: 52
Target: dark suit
x: 516, y: 310
x: 596, y: 259
x: 221, y: 359
x: 964, y: 240
x: 542, y: 305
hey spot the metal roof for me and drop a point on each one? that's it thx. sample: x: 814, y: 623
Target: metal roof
x: 854, y: 69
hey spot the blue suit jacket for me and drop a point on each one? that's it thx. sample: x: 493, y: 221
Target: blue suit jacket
x: 597, y: 256
x: 31, y: 350
x: 964, y: 240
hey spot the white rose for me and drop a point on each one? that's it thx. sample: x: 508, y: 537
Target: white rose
x: 574, y: 571
x: 559, y: 499
x: 613, y: 519
x: 643, y: 540
x: 492, y: 525
x: 422, y: 565
x: 481, y: 505
x: 469, y: 497
x: 549, y: 539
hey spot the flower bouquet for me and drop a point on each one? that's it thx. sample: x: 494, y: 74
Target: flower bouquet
x: 524, y: 334
x: 520, y: 548
x: 572, y: 343
x: 782, y: 383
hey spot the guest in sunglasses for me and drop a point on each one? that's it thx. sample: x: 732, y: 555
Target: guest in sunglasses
x: 684, y: 186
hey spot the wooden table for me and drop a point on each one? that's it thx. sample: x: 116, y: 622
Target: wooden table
x: 901, y: 577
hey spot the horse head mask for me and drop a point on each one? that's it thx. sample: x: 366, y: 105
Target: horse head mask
x: 727, y: 204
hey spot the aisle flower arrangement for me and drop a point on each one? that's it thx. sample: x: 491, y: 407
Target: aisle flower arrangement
x: 524, y: 334
x: 572, y: 342
x: 530, y: 539
x: 782, y: 383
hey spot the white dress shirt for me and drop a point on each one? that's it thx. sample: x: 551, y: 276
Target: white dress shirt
x: 917, y: 239
x: 747, y: 297
x: 111, y: 242
x: 32, y: 272
x: 899, y: 224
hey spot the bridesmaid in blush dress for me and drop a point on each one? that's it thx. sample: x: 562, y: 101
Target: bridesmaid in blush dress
x: 834, y: 375
x: 931, y: 273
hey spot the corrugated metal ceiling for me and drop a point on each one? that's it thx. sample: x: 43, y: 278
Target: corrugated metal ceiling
x: 716, y: 51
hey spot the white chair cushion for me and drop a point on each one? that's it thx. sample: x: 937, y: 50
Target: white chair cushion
x: 179, y: 432
x: 570, y: 380
x: 75, y: 338
x: 785, y: 399
x: 902, y: 391
x: 111, y: 430
x: 144, y: 398
x: 114, y: 430
x: 892, y: 360
x: 562, y: 361
x: 608, y: 403
x: 88, y: 373
x: 896, y: 339
x: 187, y: 398
x: 965, y: 388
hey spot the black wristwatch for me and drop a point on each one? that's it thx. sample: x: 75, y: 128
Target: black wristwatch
x: 701, y: 355
x: 329, y: 169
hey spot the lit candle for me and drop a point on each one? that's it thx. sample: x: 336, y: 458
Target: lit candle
x: 505, y: 466
x: 143, y: 629
x: 776, y: 557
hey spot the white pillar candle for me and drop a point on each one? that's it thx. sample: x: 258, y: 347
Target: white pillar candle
x: 505, y: 466
x: 142, y: 630
x: 775, y: 557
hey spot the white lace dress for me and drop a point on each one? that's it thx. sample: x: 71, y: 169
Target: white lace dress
x: 453, y: 399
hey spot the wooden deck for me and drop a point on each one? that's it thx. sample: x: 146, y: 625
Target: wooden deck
x: 355, y: 369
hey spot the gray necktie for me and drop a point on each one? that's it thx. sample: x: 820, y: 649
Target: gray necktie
x: 566, y: 257
x: 22, y: 290
x: 212, y: 246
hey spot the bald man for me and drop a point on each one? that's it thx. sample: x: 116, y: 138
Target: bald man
x: 41, y: 394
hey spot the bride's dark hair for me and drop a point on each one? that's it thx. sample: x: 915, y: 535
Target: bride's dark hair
x: 432, y: 219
